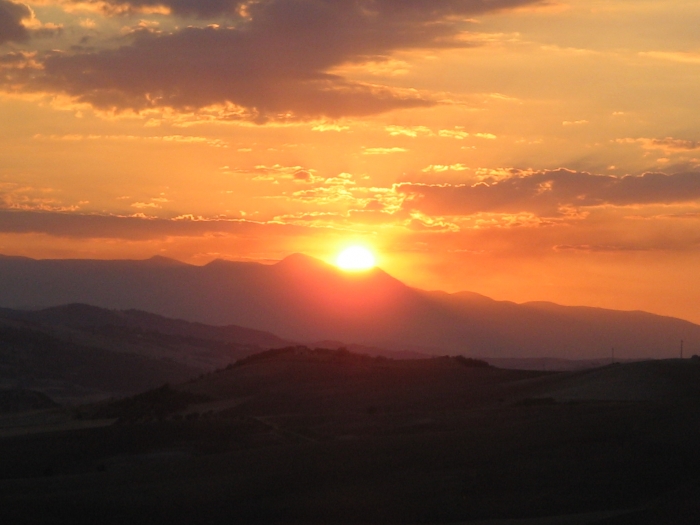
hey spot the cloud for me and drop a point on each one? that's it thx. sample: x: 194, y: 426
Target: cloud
x: 11, y: 16
x: 409, y: 131
x: 172, y: 139
x: 145, y: 205
x: 83, y: 226
x: 383, y: 9
x: 550, y: 193
x: 440, y: 168
x: 668, y: 144
x: 322, y: 128
x: 453, y: 134
x: 270, y: 61
x: 182, y: 8
x: 601, y: 248
x: 279, y: 172
x: 383, y: 151
x: 23, y: 197
x: 673, y: 56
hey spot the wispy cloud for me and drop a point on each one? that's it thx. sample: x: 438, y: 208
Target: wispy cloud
x: 383, y: 151
x: 668, y: 144
x: 674, y: 56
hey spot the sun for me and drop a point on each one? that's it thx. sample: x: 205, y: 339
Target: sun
x: 355, y: 258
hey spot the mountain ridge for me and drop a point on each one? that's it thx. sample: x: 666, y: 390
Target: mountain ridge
x: 304, y: 299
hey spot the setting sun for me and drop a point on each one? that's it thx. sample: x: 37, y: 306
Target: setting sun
x: 356, y: 258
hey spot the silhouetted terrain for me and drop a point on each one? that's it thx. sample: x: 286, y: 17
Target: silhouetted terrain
x: 19, y: 400
x: 77, y: 351
x: 303, y: 299
x: 86, y: 317
x: 308, y: 436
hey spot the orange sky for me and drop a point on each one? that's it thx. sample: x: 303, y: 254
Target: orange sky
x: 523, y: 149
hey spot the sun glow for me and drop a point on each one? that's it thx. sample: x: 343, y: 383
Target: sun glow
x: 355, y: 258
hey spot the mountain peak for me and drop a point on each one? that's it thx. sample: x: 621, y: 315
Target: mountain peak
x: 299, y: 258
x: 301, y: 261
x: 159, y: 260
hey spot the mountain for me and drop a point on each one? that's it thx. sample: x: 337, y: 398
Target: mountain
x: 77, y: 352
x: 87, y: 317
x: 304, y: 299
x: 74, y: 369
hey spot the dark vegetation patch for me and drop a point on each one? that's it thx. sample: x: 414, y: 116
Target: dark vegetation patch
x: 471, y: 362
x: 154, y: 404
x: 306, y: 353
x: 340, y: 355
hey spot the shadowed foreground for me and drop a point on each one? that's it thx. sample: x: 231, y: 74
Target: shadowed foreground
x: 305, y: 436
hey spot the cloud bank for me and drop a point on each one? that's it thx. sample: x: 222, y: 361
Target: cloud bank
x: 548, y: 193
x: 268, y: 59
x: 81, y: 226
x: 11, y: 16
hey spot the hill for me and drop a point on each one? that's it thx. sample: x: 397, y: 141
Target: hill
x: 300, y: 435
x: 95, y: 319
x: 303, y: 299
x: 76, y: 352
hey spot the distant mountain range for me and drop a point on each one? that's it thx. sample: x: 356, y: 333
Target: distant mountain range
x: 306, y: 300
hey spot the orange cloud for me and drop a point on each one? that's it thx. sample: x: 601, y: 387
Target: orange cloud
x: 551, y: 193
x: 668, y: 144
x: 91, y: 226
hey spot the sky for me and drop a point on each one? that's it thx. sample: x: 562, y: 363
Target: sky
x: 522, y: 149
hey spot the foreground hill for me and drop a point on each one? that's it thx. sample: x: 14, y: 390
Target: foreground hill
x: 298, y: 435
x: 304, y: 299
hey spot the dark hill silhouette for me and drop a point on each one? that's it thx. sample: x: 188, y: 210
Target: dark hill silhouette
x: 68, y: 367
x: 83, y: 316
x: 303, y: 380
x: 662, y: 380
x: 76, y: 352
x: 20, y: 400
x: 304, y: 299
x: 300, y: 379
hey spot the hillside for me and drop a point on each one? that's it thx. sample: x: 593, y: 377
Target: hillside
x: 300, y: 435
x: 303, y: 299
x: 86, y: 317
x: 70, y: 370
x: 76, y: 351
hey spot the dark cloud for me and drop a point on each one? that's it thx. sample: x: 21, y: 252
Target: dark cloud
x: 602, y: 248
x: 378, y: 8
x: 548, y: 193
x: 183, y: 8
x: 273, y: 63
x: 74, y: 225
x: 11, y: 16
